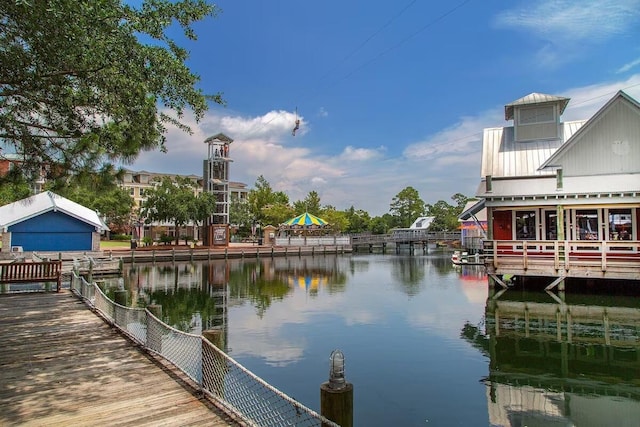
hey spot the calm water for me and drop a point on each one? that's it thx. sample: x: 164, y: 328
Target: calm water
x: 423, y: 343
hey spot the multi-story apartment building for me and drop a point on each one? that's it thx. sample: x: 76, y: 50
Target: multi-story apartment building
x: 137, y: 183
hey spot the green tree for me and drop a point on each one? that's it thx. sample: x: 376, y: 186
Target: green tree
x: 240, y: 215
x: 382, y: 224
x: 338, y: 221
x: 174, y: 201
x: 310, y: 204
x: 359, y: 220
x: 446, y: 215
x: 13, y: 187
x: 261, y: 196
x: 406, y: 206
x: 98, y: 191
x: 276, y: 213
x: 85, y: 81
x: 204, y: 205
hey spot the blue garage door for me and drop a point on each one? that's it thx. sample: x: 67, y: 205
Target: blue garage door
x: 52, y: 241
x: 52, y: 231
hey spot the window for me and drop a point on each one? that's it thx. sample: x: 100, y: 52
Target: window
x: 132, y: 191
x: 586, y: 224
x: 620, y: 224
x: 551, y: 225
x: 533, y: 115
x: 525, y: 225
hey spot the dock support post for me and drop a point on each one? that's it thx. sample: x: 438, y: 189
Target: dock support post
x: 558, y: 282
x: 496, y: 279
x: 120, y: 297
x: 119, y: 315
x: 156, y: 310
x: 154, y: 338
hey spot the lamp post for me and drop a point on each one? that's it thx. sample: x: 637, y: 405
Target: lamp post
x: 336, y: 395
x: 253, y: 230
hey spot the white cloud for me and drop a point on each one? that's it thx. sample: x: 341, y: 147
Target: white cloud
x: 350, y: 153
x: 628, y: 66
x: 572, y: 20
x: 439, y: 165
x: 567, y: 27
x: 322, y: 112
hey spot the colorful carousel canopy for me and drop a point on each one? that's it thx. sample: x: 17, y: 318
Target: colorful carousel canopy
x: 306, y: 220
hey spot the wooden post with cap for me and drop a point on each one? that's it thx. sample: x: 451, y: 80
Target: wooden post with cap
x: 336, y: 395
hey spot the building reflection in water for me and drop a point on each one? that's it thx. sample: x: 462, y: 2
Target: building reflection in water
x: 195, y: 297
x: 560, y: 359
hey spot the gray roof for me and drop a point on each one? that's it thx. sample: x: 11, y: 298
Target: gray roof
x: 41, y: 203
x: 533, y: 99
x: 221, y: 137
x: 474, y: 208
x: 502, y: 156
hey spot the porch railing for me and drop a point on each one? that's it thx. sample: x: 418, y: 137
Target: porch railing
x: 584, y: 258
x: 220, y: 377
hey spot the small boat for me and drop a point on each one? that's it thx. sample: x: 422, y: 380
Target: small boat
x: 463, y: 258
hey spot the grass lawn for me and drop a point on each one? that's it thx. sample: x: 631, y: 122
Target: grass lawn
x: 115, y: 244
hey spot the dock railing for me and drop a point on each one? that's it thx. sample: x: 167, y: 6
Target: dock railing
x: 219, y: 376
x: 578, y: 258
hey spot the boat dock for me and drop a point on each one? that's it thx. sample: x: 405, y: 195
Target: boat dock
x: 63, y: 365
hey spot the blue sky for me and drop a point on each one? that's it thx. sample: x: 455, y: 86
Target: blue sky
x: 391, y: 94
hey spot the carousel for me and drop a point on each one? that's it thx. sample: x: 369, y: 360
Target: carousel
x: 305, y: 225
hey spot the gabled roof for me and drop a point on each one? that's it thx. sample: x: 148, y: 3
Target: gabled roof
x: 552, y: 160
x: 220, y: 137
x: 28, y: 208
x: 533, y: 99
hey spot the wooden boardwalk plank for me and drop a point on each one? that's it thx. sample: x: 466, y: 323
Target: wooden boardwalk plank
x: 61, y: 365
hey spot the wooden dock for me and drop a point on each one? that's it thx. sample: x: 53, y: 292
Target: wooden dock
x: 62, y: 365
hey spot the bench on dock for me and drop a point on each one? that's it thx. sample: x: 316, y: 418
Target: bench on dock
x: 32, y: 272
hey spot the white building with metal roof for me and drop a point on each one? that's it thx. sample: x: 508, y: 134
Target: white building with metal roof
x: 572, y: 188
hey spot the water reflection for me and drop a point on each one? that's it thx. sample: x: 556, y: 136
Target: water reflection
x: 561, y: 359
x: 451, y: 354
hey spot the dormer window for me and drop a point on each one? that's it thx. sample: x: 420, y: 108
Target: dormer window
x: 536, y: 122
x: 535, y: 115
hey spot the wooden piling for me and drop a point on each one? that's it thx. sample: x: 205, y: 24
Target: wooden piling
x: 337, y: 404
x: 120, y: 297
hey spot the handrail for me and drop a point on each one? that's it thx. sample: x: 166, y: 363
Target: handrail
x: 563, y: 255
x: 218, y: 375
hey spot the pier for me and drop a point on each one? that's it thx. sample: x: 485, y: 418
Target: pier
x: 410, y: 239
x: 63, y: 365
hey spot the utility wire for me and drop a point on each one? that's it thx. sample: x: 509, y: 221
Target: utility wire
x: 400, y: 43
x: 367, y: 40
